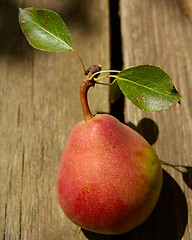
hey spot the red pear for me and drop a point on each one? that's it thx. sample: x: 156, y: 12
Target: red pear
x: 109, y: 177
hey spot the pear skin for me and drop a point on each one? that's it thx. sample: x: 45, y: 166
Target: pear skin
x: 109, y: 178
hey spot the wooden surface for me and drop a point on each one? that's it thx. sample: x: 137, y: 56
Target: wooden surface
x: 39, y: 105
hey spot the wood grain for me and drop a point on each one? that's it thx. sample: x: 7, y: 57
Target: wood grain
x: 39, y: 105
x: 157, y: 32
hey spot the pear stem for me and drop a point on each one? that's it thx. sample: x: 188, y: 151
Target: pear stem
x: 84, y: 87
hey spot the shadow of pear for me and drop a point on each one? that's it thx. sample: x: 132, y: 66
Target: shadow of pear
x: 186, y: 172
x: 168, y: 221
x: 147, y: 128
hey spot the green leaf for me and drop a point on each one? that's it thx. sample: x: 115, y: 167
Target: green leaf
x: 44, y: 29
x: 148, y: 87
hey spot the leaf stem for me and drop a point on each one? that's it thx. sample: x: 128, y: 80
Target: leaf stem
x: 113, y: 81
x: 106, y: 76
x: 84, y: 70
x: 104, y: 71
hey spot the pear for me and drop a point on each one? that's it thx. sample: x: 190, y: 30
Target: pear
x: 109, y: 178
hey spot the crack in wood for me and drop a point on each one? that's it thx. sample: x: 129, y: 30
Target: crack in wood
x: 5, y: 221
x: 117, y: 108
x: 22, y: 177
x: 18, y: 115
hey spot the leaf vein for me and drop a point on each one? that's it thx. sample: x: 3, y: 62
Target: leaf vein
x: 153, y: 90
x: 51, y: 34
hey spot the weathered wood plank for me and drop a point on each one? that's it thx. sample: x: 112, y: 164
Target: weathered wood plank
x: 157, y: 32
x: 39, y: 105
